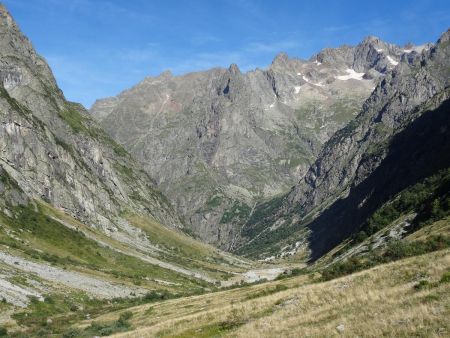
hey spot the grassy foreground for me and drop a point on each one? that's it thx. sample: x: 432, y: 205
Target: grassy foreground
x: 410, y: 297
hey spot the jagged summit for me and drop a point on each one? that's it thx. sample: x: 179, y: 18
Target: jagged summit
x: 445, y: 37
x: 234, y: 69
x: 165, y: 74
x: 371, y: 39
x: 12, y: 40
x: 4, y: 13
x: 280, y: 59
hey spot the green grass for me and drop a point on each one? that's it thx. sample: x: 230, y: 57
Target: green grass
x: 214, y: 202
x: 445, y: 277
x: 106, y: 329
x: 55, y: 243
x: 182, y: 249
x: 58, y: 312
x: 237, y: 214
x: 75, y: 120
x: 124, y: 170
x: 212, y: 330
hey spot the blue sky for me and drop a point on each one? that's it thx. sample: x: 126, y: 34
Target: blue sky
x: 98, y: 48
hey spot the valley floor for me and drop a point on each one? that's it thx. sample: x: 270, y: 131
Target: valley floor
x: 406, y: 298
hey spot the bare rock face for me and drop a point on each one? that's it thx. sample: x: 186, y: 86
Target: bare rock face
x: 219, y: 141
x: 52, y: 150
x: 400, y: 136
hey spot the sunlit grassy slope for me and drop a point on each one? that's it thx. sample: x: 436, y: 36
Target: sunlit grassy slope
x: 406, y: 298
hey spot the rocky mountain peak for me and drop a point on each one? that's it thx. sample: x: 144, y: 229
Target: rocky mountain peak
x: 372, y: 42
x: 13, y: 42
x: 6, y: 17
x: 445, y: 37
x: 19, y: 64
x: 335, y: 57
x: 167, y: 74
x: 280, y: 60
x: 234, y: 69
x: 371, y: 39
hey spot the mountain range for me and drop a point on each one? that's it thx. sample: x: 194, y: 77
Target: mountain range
x: 298, y: 173
x: 220, y: 142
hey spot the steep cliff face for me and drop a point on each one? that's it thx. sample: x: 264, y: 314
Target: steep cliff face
x: 399, y: 137
x: 52, y: 150
x: 221, y: 140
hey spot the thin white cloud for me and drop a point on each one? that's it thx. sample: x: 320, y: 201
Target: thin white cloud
x: 200, y: 39
x: 271, y: 47
x: 145, y: 54
x: 251, y: 7
x: 101, y: 9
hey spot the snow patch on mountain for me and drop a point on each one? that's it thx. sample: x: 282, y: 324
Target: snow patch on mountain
x: 392, y: 61
x: 351, y: 74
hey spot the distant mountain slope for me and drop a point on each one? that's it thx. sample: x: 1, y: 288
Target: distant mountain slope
x: 400, y: 137
x: 219, y: 141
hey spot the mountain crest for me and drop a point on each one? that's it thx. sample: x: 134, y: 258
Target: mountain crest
x: 13, y: 41
x: 445, y: 37
x: 6, y: 16
x: 234, y: 69
x: 167, y: 74
x: 371, y: 39
x: 281, y: 59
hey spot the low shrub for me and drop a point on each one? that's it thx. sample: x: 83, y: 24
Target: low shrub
x: 423, y: 285
x: 445, y: 277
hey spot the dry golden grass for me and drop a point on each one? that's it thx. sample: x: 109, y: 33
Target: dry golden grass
x: 378, y: 302
x: 441, y: 227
